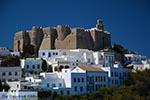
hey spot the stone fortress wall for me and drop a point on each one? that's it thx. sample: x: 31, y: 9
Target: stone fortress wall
x: 64, y: 37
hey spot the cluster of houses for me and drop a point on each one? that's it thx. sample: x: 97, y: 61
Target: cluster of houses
x: 78, y: 71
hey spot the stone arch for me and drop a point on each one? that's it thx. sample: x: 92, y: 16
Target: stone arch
x: 66, y: 67
x: 61, y: 67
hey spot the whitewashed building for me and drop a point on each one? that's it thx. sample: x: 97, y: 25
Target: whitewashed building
x: 59, y: 59
x: 80, y: 80
x: 15, y: 53
x: 144, y: 64
x: 106, y: 59
x: 31, y: 64
x: 134, y: 57
x: 92, y: 78
x: 137, y: 62
x: 83, y: 55
x: 10, y: 73
x: 4, y: 51
x: 117, y: 75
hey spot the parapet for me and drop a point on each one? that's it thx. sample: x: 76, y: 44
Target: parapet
x: 49, y: 31
x: 62, y: 32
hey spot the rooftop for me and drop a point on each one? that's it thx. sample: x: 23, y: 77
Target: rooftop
x: 90, y: 68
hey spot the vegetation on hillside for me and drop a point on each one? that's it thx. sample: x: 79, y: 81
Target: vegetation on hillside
x: 10, y: 61
x: 4, y: 86
x: 119, y: 49
x: 44, y: 65
x: 28, y: 51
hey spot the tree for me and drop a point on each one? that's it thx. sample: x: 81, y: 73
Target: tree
x: 120, y: 49
x: 6, y: 87
x: 49, y: 68
x: 44, y: 94
x: 44, y: 65
x: 10, y: 61
x: 28, y: 50
x: 141, y: 83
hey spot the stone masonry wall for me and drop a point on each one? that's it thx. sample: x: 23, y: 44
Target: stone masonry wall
x: 63, y: 37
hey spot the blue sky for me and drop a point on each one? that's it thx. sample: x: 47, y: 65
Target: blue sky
x: 128, y: 21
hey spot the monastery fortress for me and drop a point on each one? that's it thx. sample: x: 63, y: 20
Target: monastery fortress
x: 63, y: 37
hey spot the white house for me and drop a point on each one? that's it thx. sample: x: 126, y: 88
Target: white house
x: 15, y: 53
x: 106, y: 59
x: 134, y: 57
x: 80, y: 80
x: 138, y: 62
x: 88, y: 79
x: 10, y: 73
x: 59, y: 59
x: 4, y: 51
x: 144, y: 64
x: 31, y: 64
x: 83, y: 55
x: 117, y: 74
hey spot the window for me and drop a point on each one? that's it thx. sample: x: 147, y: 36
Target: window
x: 78, y: 79
x: 61, y: 92
x: 16, y: 73
x: 120, y: 74
x: 61, y: 67
x: 33, y: 66
x: 125, y: 74
x: 68, y: 92
x: 43, y: 53
x: 49, y: 54
x: 60, y: 85
x: 47, y: 84
x: 17, y: 85
x: 116, y: 73
x: 64, y: 53
x: 27, y: 66
x: 53, y: 53
x: 101, y: 79
x: 75, y: 89
x: 87, y: 78
x: 112, y: 81
x: 53, y: 85
x: 66, y: 66
x: 82, y: 79
x: 3, y: 73
x: 38, y: 66
x: 116, y: 81
x: 56, y: 53
x: 81, y: 88
x: 74, y: 79
x: 9, y: 73
x: 112, y: 74
x: 96, y: 78
x: 104, y: 78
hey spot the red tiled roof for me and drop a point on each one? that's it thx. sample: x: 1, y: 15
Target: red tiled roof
x: 90, y: 68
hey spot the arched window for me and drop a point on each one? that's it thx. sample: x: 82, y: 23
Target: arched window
x: 66, y: 66
x: 61, y: 67
x: 33, y: 66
